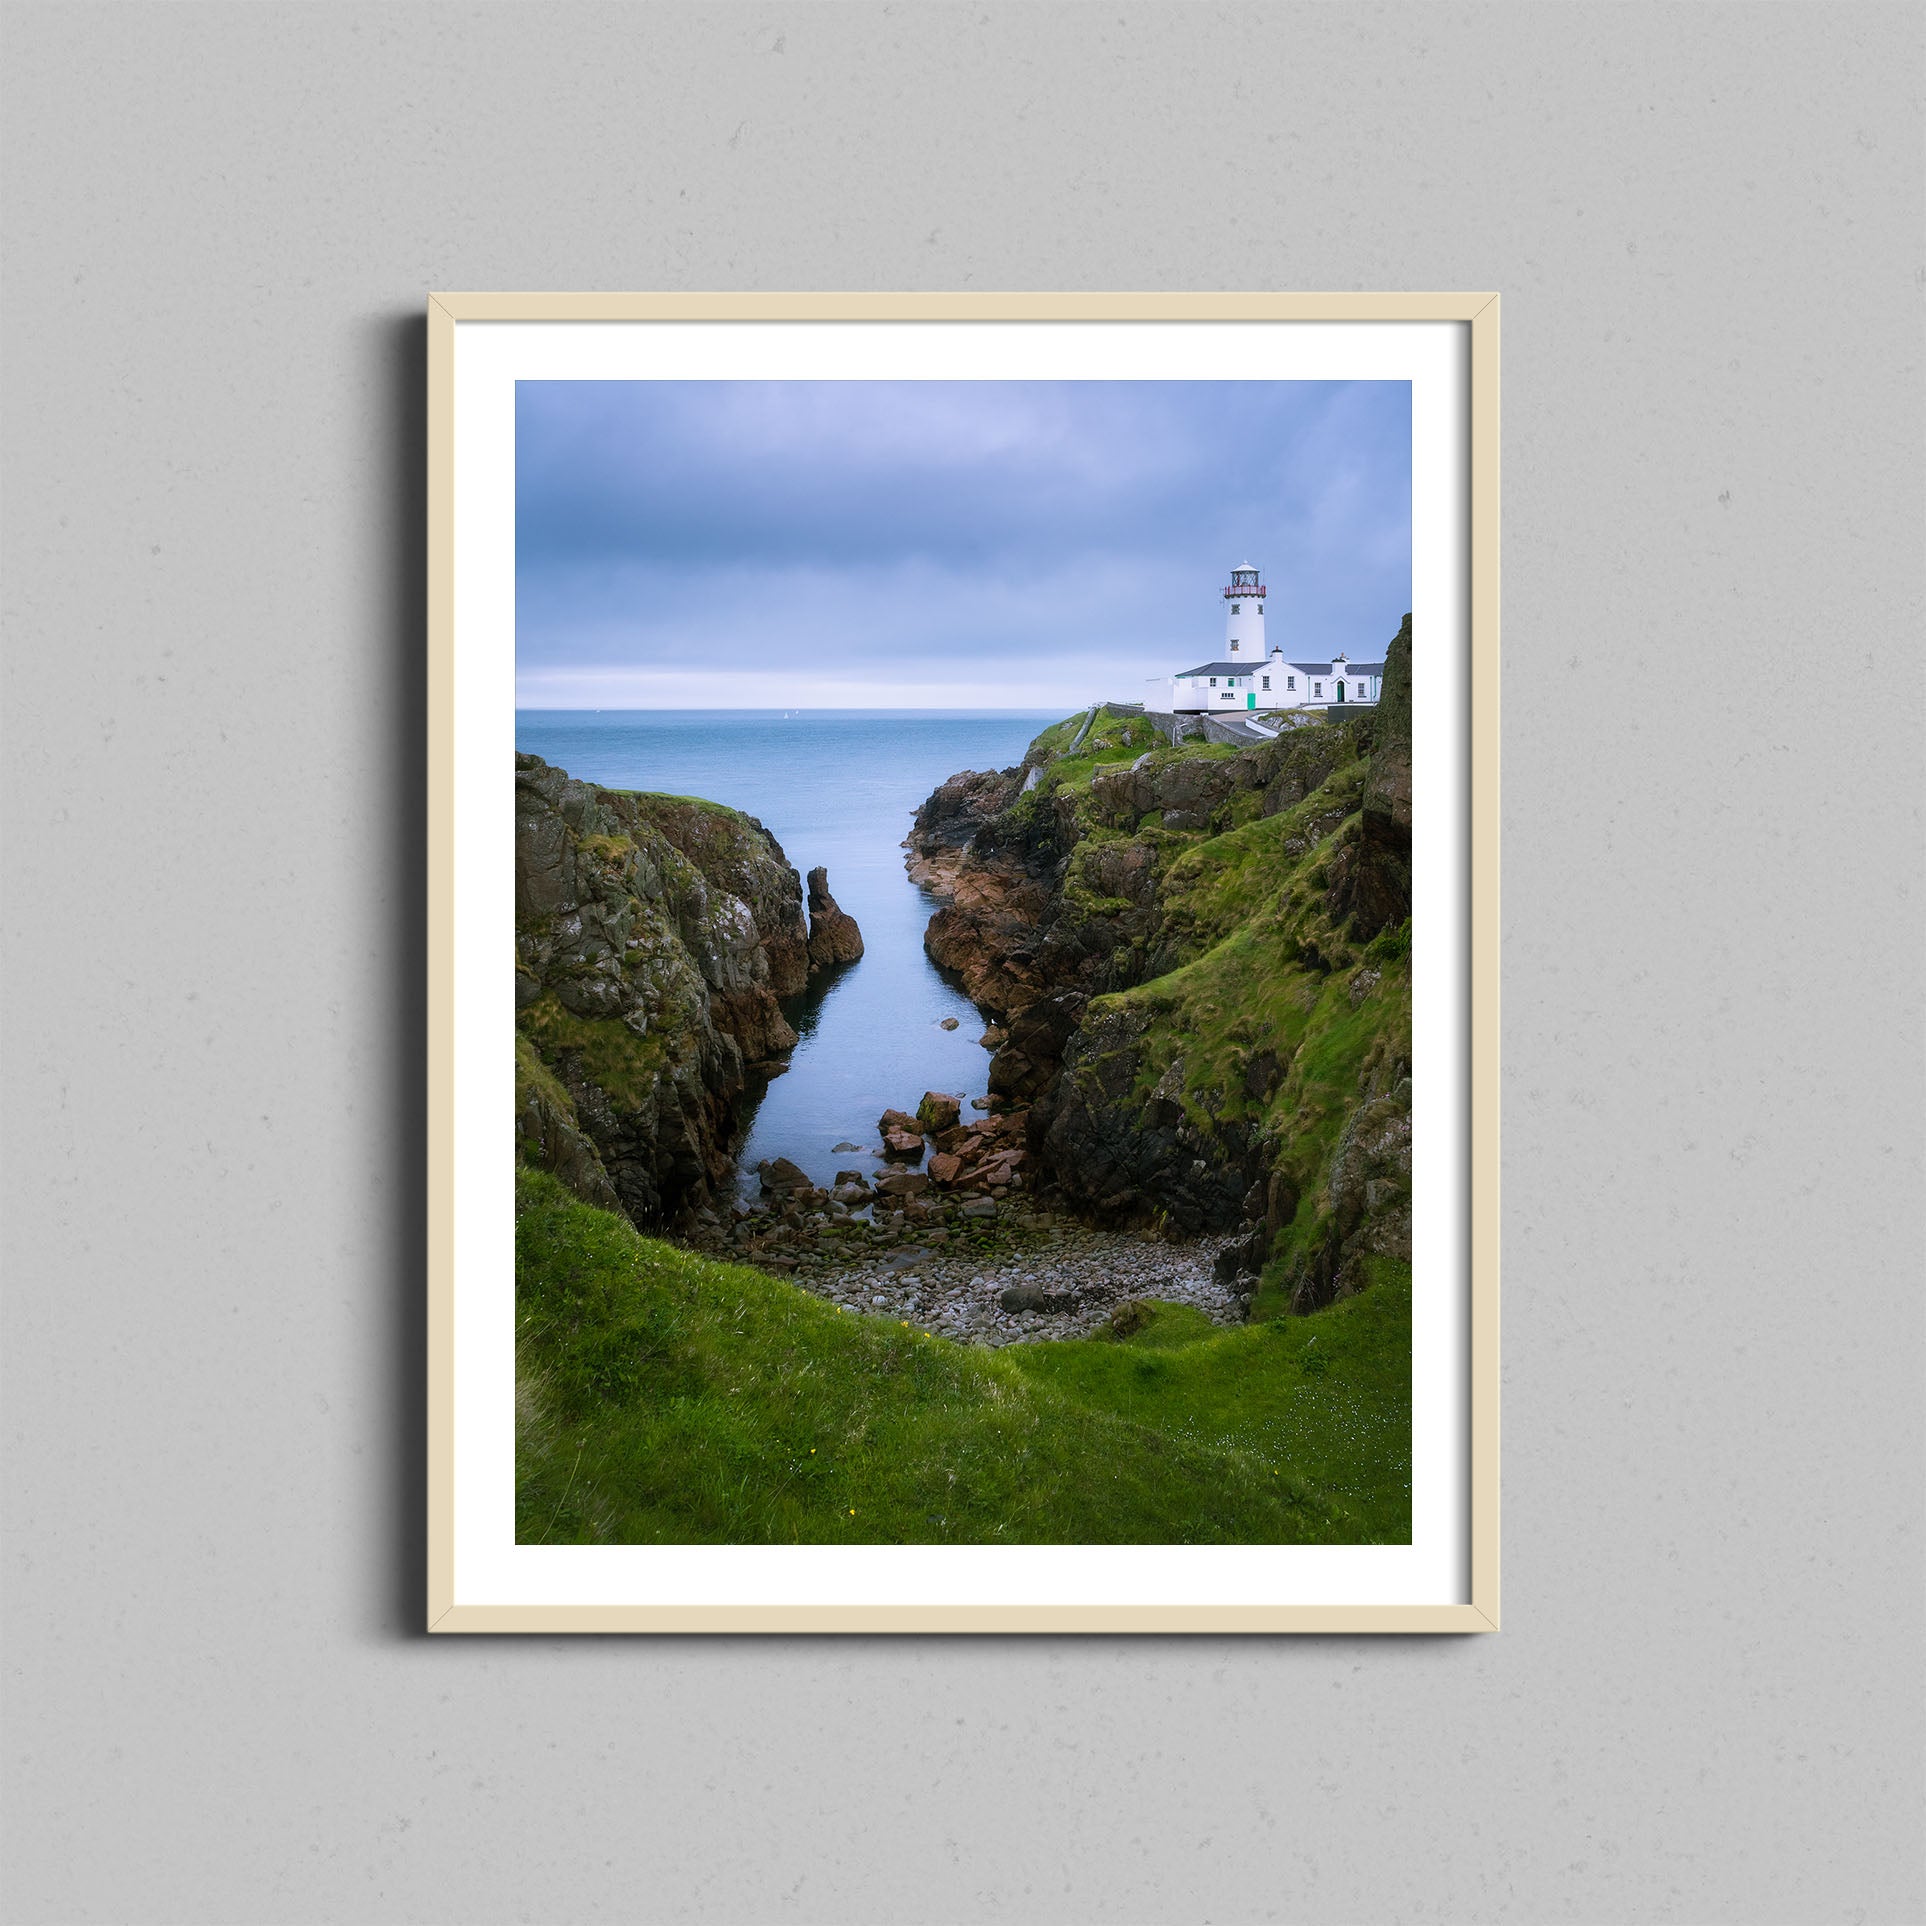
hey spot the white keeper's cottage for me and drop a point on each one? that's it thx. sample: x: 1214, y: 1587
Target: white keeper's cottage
x: 1255, y: 673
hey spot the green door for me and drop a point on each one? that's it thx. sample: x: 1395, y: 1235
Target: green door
x: 1250, y: 702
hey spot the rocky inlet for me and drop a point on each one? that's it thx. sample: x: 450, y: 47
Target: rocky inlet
x: 957, y: 1247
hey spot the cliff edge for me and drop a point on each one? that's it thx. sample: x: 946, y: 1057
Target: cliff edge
x: 1201, y: 957
x: 655, y: 940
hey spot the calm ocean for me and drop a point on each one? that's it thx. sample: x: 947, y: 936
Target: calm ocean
x: 836, y: 787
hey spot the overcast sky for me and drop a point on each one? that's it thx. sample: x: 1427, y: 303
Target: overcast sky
x: 936, y: 544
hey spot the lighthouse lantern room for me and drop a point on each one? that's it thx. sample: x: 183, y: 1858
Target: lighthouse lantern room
x: 1244, y: 616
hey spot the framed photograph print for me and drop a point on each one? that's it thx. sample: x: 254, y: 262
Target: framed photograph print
x: 991, y: 1123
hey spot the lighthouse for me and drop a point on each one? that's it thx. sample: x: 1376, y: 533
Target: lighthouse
x: 1244, y: 616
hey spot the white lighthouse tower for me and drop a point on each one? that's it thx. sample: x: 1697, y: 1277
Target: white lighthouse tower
x: 1244, y: 616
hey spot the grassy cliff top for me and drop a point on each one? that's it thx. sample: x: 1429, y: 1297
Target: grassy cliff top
x: 666, y: 1398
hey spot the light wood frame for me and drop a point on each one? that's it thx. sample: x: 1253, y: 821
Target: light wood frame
x: 1480, y: 313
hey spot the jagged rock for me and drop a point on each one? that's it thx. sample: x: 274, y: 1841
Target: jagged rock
x: 1188, y: 788
x: 950, y: 817
x: 903, y: 1145
x: 834, y: 938
x: 1370, y: 872
x: 653, y: 939
x: 899, y: 1120
x: 780, y: 1175
x: 945, y: 1167
x: 902, y: 1183
x: 938, y: 1112
x: 1028, y: 1062
x: 1280, y: 1201
x: 548, y: 1135
x: 1244, y: 1258
x: 736, y: 854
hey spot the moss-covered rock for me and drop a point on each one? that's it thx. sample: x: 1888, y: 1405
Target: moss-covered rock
x: 654, y: 937
x: 1202, y: 954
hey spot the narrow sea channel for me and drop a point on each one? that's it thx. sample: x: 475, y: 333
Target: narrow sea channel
x: 836, y: 787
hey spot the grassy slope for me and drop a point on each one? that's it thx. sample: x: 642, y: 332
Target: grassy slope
x: 1328, y: 1395
x: 1264, y: 970
x: 667, y: 1398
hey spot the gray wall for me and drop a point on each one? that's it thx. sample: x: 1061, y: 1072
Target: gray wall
x: 220, y: 223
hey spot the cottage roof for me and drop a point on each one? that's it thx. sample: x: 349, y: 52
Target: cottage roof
x: 1222, y: 668
x: 1331, y: 668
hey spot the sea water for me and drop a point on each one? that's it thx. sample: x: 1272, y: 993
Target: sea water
x: 839, y: 788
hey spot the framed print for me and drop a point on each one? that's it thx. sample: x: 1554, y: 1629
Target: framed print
x: 992, y: 1122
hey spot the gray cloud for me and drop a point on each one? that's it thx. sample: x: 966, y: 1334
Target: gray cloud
x: 941, y: 543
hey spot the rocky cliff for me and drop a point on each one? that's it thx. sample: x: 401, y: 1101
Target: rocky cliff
x: 655, y: 940
x: 1201, y: 958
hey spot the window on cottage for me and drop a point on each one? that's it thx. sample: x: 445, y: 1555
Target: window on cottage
x: 1290, y: 682
x: 1267, y: 682
x: 1317, y: 688
x: 1213, y: 682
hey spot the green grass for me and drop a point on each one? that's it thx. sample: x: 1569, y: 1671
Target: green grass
x: 626, y: 1066
x: 1255, y: 969
x: 1327, y: 1395
x: 666, y: 1398
x: 1112, y: 739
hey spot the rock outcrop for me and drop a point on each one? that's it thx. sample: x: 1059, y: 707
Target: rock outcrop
x: 951, y: 817
x: 834, y: 938
x: 654, y: 940
x: 1199, y: 959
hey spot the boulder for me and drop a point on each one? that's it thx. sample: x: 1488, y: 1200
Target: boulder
x: 980, y: 1209
x: 945, y: 1167
x: 938, y: 1112
x: 897, y: 1120
x: 1021, y: 1297
x: 904, y: 1146
x: 902, y: 1183
x: 779, y: 1174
